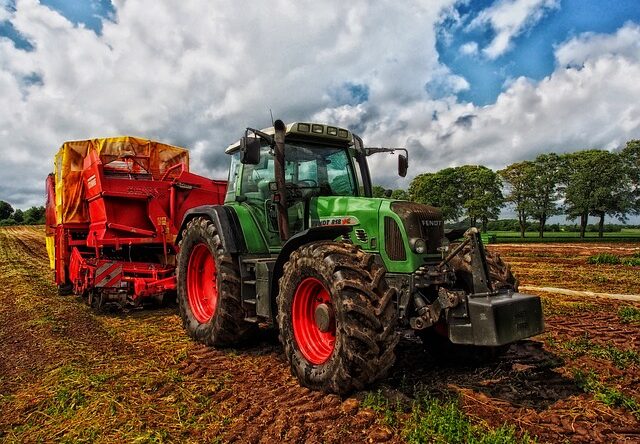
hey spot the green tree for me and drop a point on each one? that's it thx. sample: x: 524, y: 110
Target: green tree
x: 482, y: 195
x: 597, y: 184
x: 630, y: 157
x: 400, y: 195
x: 377, y: 191
x: 546, y: 174
x: 34, y: 216
x: 519, y: 179
x: 18, y: 216
x: 442, y: 190
x: 6, y: 210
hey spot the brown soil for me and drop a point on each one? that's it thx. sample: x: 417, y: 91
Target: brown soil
x: 67, y: 373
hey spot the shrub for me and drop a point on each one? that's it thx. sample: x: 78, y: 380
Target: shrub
x: 604, y: 258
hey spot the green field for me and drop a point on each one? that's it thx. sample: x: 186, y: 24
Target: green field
x: 625, y: 235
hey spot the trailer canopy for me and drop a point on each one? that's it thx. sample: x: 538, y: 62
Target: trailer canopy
x: 127, y: 154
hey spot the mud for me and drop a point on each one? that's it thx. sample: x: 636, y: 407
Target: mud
x: 141, y: 379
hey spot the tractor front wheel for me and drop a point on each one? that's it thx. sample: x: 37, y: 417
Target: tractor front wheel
x: 208, y: 284
x: 336, y: 316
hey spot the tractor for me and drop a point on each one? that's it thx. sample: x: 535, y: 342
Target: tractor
x: 300, y: 244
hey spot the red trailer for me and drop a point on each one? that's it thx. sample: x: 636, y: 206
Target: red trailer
x: 114, y: 208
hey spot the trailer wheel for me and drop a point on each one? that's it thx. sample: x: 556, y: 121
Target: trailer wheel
x: 336, y: 316
x: 65, y: 289
x: 208, y: 284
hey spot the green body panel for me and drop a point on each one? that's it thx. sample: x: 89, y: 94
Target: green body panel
x: 369, y: 214
x: 254, y: 235
x: 361, y: 213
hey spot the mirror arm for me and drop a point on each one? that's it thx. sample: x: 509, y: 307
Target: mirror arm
x: 260, y: 134
x: 374, y: 150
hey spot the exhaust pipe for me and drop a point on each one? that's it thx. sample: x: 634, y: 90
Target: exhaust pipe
x: 280, y: 197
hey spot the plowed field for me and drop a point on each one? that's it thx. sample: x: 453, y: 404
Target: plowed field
x: 68, y: 374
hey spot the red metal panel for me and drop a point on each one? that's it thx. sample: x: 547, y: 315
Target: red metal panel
x: 129, y: 211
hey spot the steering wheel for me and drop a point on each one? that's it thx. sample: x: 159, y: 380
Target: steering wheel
x: 293, y: 191
x: 311, y: 183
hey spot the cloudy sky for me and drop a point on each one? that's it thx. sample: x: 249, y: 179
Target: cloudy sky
x: 457, y: 82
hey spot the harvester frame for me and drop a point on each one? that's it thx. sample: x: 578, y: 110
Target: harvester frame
x: 111, y: 211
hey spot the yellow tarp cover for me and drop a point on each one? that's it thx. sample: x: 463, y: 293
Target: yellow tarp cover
x: 51, y: 250
x: 155, y: 157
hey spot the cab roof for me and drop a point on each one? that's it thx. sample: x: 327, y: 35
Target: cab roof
x: 306, y: 130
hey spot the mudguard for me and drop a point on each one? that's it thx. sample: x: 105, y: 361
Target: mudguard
x: 227, y: 222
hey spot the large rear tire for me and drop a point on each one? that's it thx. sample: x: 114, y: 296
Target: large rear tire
x: 208, y: 284
x: 337, y: 317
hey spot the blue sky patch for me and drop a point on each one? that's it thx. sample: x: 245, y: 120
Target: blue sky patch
x: 87, y: 12
x: 351, y: 93
x: 532, y: 52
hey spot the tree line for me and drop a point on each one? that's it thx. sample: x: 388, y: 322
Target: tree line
x: 9, y: 216
x: 583, y: 184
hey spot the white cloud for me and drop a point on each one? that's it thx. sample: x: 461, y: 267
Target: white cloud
x: 593, y: 105
x: 624, y: 42
x: 469, y: 48
x: 509, y: 19
x: 196, y: 73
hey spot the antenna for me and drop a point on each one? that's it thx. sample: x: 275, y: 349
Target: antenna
x: 270, y: 112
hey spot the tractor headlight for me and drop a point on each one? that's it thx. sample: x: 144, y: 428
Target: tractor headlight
x: 418, y: 245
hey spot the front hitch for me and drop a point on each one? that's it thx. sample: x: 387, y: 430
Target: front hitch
x: 486, y: 316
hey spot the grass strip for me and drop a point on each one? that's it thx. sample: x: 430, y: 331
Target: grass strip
x: 620, y: 358
x: 436, y: 420
x: 629, y: 314
x: 589, y: 383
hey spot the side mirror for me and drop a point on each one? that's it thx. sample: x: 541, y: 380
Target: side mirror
x: 403, y: 165
x: 250, y: 150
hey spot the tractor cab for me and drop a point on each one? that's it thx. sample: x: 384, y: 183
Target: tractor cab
x: 319, y: 161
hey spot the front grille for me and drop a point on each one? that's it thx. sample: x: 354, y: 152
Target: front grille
x: 393, y: 244
x: 421, y: 221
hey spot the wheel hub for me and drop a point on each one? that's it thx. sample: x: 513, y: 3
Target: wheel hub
x: 325, y: 317
x: 313, y: 321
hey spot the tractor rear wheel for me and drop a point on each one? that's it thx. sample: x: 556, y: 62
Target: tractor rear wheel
x: 208, y: 284
x: 336, y: 316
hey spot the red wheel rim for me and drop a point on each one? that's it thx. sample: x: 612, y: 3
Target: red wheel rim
x: 315, y: 345
x: 202, y: 291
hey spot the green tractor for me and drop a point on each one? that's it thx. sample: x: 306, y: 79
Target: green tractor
x: 301, y: 245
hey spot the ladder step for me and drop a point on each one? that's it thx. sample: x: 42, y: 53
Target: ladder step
x: 250, y: 301
x: 252, y: 282
x: 252, y: 319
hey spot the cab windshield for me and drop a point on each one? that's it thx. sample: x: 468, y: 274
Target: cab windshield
x: 315, y: 170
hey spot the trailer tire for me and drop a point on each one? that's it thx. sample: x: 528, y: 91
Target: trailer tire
x: 65, y: 289
x: 208, y: 287
x: 353, y: 343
